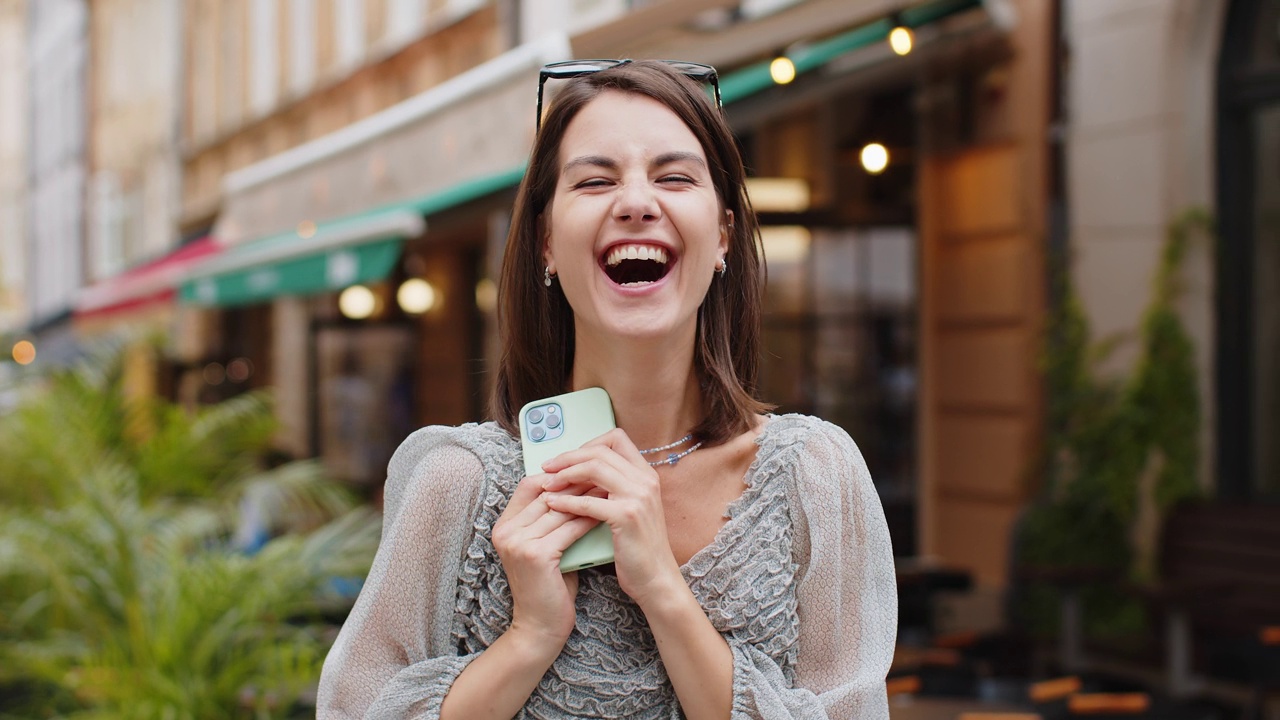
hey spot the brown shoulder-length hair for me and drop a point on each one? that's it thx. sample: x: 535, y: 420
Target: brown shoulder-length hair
x: 536, y: 323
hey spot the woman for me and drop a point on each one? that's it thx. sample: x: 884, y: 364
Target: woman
x: 753, y: 576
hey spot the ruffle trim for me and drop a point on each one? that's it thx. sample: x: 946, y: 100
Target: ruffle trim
x: 744, y: 580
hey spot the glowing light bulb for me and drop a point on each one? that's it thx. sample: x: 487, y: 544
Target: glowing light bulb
x: 357, y: 302
x: 875, y: 158
x: 416, y: 296
x: 486, y: 295
x: 901, y: 39
x: 782, y: 70
x: 24, y: 353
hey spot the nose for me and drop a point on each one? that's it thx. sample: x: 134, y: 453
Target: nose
x: 636, y: 201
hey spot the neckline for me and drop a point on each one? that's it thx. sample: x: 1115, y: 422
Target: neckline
x: 733, y: 510
x: 699, y: 560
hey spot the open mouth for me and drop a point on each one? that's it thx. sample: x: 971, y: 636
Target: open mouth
x: 632, y: 265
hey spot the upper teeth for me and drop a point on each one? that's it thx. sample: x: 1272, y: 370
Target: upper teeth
x: 636, y: 252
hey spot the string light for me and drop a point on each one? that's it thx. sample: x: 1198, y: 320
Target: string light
x: 901, y: 39
x: 782, y: 70
x: 416, y: 296
x: 875, y: 158
x: 24, y: 352
x: 357, y: 302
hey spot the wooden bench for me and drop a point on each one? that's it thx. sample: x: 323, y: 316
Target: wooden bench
x: 1219, y: 591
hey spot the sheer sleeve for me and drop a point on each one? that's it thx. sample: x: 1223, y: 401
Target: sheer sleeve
x: 394, y: 656
x: 846, y: 596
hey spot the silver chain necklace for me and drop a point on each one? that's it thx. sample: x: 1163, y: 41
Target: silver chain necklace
x: 673, y: 458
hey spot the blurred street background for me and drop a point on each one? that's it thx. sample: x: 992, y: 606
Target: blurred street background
x: 1026, y: 252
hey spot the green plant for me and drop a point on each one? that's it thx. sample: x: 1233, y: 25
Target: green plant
x: 1119, y: 452
x: 122, y: 593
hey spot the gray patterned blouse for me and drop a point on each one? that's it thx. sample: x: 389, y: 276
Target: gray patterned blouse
x: 799, y: 581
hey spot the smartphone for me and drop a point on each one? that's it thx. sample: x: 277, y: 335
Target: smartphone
x: 558, y: 424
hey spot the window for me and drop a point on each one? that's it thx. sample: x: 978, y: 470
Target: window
x: 350, y: 30
x: 1248, y: 313
x: 302, y: 45
x: 405, y: 19
x: 264, y: 26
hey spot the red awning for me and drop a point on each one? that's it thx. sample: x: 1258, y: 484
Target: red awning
x: 147, y: 285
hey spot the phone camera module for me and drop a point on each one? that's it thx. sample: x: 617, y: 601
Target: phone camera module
x: 544, y: 423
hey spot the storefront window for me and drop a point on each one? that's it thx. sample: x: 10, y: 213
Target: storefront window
x: 840, y: 338
x: 365, y: 398
x: 1266, y: 301
x: 1248, y: 318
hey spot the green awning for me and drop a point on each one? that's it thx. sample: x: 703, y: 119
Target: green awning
x: 333, y: 256
x: 364, y: 247
x: 752, y: 79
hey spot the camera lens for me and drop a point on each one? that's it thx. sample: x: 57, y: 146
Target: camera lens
x: 535, y: 415
x: 553, y: 421
x: 537, y: 433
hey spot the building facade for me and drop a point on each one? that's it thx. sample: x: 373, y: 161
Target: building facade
x: 1173, y: 107
x: 133, y: 148
x: 13, y: 173
x: 57, y: 52
x: 905, y: 304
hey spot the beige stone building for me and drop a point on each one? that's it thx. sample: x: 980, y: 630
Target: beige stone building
x: 13, y: 167
x: 134, y: 93
x: 1173, y: 105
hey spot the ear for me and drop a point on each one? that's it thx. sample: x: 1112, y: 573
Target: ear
x: 544, y: 235
x: 726, y: 232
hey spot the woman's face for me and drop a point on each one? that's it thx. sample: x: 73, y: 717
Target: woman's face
x: 634, y: 229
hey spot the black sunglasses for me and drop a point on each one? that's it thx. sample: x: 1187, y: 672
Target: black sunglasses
x: 578, y: 68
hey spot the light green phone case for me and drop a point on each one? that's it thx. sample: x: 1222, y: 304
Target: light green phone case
x: 566, y: 423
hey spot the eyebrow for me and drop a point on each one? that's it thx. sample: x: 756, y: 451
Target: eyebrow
x: 610, y: 164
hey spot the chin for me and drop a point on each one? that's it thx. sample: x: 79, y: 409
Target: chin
x: 644, y: 324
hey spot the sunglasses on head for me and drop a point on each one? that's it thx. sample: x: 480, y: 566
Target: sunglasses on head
x: 577, y: 68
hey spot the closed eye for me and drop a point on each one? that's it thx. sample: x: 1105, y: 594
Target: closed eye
x: 676, y: 178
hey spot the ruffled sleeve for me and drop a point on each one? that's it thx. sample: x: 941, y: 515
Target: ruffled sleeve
x: 846, y: 595
x: 395, y: 657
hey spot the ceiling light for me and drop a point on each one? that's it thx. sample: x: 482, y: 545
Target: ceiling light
x: 416, y: 296
x: 782, y: 70
x: 778, y: 194
x: 875, y: 158
x: 785, y: 244
x: 901, y: 39
x: 357, y: 302
x: 486, y: 295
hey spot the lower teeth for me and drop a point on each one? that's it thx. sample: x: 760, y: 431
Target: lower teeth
x: 637, y: 282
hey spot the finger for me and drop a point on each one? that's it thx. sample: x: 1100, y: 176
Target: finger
x: 587, y: 506
x: 617, y: 477
x: 547, y: 523
x: 615, y: 442
x: 525, y: 506
x: 569, y: 533
x: 529, y: 514
x: 526, y: 492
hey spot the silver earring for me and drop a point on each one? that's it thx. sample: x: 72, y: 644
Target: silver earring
x: 546, y: 276
x: 724, y: 267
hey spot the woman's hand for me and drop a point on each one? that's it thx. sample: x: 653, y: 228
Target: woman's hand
x: 632, y: 507
x: 530, y: 537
